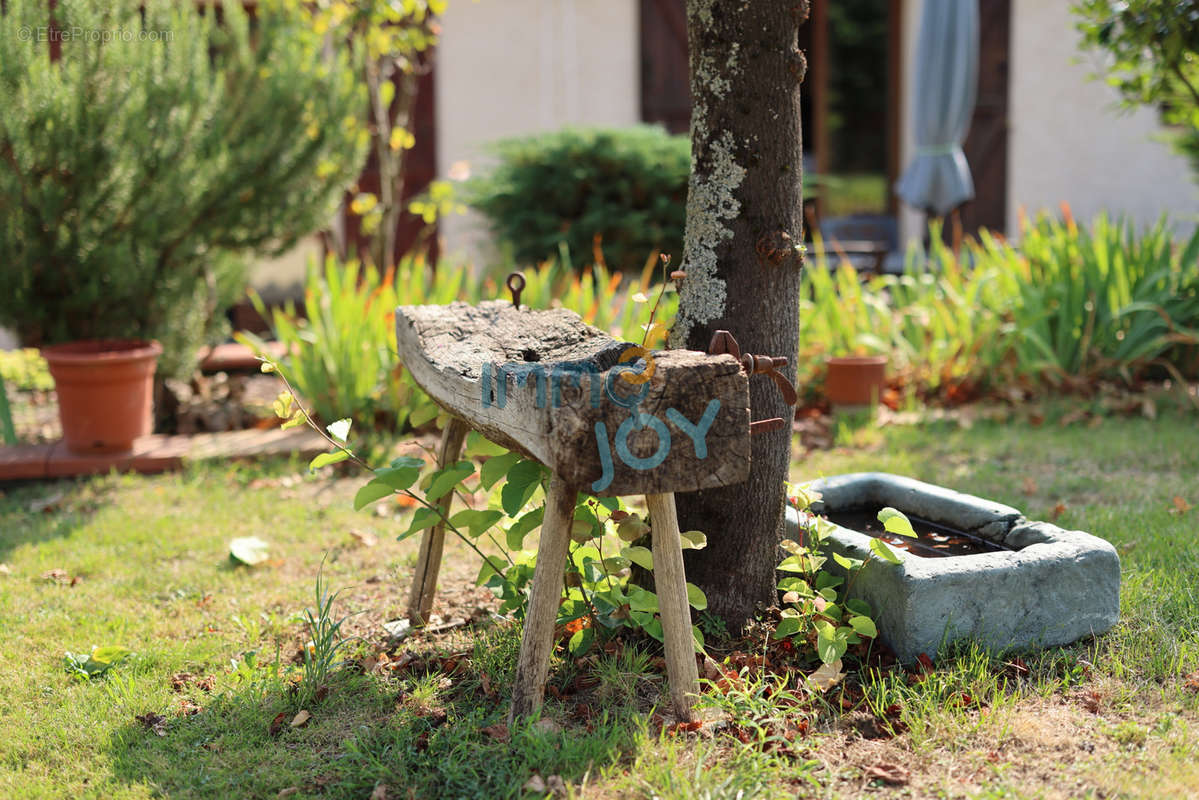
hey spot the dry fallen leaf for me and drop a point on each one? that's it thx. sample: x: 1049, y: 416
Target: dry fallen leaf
x: 827, y: 676
x: 893, y: 774
x: 380, y: 792
x: 155, y: 722
x: 536, y: 785
x: 1192, y: 682
x: 547, y: 726
x: 277, y: 723
x: 498, y: 731
x: 556, y: 785
x: 61, y: 576
x: 288, y: 792
x: 301, y: 719
x: 365, y: 538
x: 1181, y: 506
x: 1029, y: 486
x: 1057, y: 511
x: 48, y: 503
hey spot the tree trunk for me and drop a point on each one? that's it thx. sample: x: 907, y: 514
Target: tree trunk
x: 743, y: 261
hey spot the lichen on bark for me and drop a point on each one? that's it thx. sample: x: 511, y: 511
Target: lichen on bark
x: 711, y: 195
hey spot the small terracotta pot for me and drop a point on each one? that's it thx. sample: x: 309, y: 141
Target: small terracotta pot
x: 855, y: 380
x: 105, y: 392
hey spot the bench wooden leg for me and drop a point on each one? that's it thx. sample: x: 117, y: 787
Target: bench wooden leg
x: 538, y: 642
x: 428, y: 564
x: 671, y: 584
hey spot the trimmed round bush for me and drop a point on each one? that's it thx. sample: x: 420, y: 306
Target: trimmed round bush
x: 626, y: 185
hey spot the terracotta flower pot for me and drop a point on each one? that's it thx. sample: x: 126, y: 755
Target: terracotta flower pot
x: 855, y: 380
x: 105, y: 392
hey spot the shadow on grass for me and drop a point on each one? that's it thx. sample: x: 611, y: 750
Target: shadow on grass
x: 35, y: 512
x: 422, y: 736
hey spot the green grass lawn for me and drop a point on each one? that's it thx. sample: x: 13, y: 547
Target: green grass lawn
x: 1112, y: 717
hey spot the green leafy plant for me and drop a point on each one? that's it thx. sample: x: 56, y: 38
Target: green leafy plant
x: 341, y: 353
x: 394, y: 37
x: 1104, y: 301
x: 620, y: 190
x: 138, y: 171
x: 817, y: 609
x: 1069, y: 305
x: 325, y: 639
x: 1153, y: 47
x: 100, y: 660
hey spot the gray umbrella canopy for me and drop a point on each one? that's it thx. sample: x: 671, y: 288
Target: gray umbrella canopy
x: 938, y: 179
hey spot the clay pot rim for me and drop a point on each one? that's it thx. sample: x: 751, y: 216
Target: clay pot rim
x: 856, y: 360
x: 107, y: 351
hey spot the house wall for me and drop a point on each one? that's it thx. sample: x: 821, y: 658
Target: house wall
x: 510, y: 67
x: 1067, y: 141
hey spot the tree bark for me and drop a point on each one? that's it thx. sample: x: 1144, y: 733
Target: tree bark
x: 743, y: 258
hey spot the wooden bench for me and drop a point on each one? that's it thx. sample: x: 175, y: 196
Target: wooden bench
x: 607, y: 418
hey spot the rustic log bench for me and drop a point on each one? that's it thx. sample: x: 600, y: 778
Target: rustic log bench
x: 608, y: 418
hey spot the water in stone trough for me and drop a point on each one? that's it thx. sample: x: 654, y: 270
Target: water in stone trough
x: 933, y: 540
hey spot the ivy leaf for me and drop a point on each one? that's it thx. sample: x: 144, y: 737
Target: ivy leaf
x: 858, y: 607
x: 696, y: 597
x: 641, y: 556
x: 248, y: 550
x: 642, y: 600
x: 339, y: 430
x: 631, y: 529
x: 476, y: 521
x: 694, y: 540
x: 580, y: 641
x: 580, y: 531
x: 516, y: 534
x: 421, y: 519
x: 400, y: 476
x: 325, y: 459
x: 846, y: 563
x: 882, y: 551
x: 523, y: 480
x: 444, y: 480
x: 614, y: 564
x: 864, y: 625
x: 896, y: 522
x: 375, y: 490
x: 788, y: 626
x: 830, y: 645
x: 495, y: 468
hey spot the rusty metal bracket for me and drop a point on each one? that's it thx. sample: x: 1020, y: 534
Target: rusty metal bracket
x: 516, y: 285
x: 724, y: 342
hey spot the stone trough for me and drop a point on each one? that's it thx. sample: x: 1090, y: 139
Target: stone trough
x: 1023, y: 584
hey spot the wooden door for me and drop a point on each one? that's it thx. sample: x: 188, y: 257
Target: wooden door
x: 986, y: 143
x: 665, y: 80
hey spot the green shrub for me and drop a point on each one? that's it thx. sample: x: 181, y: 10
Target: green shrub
x: 1109, y: 301
x: 628, y: 186
x: 139, y: 170
x: 342, y: 354
x: 1067, y: 305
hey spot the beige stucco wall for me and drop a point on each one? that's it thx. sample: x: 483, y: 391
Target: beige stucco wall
x: 1067, y: 141
x: 507, y: 67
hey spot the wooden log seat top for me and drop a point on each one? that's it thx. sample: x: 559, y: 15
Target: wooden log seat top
x: 603, y: 414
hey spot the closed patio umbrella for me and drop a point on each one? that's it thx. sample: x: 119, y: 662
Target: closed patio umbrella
x: 938, y: 179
